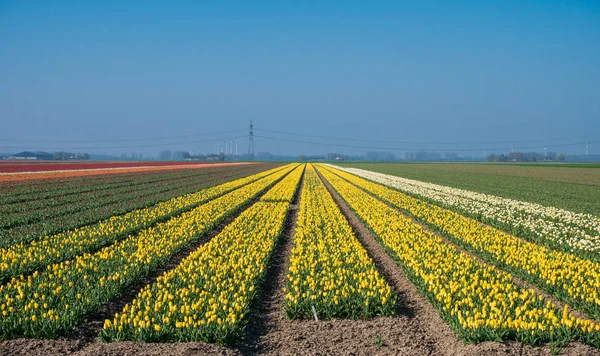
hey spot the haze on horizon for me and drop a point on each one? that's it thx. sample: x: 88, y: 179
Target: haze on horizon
x: 412, y: 74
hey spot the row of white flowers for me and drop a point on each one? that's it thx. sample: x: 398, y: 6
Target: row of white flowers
x: 572, y: 231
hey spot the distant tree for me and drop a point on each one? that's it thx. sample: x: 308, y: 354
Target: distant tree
x: 333, y: 156
x: 426, y: 156
x: 61, y: 155
x: 264, y: 156
x: 516, y: 156
x: 533, y: 157
x: 180, y: 155
x: 165, y: 155
x: 302, y: 158
x: 451, y: 156
x: 561, y: 157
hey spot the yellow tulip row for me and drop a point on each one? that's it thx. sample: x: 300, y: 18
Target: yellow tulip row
x: 329, y: 269
x: 285, y: 191
x: 207, y: 297
x: 478, y: 301
x: 56, y: 299
x: 572, y: 279
x: 24, y: 258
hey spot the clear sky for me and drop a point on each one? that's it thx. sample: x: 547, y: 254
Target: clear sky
x: 407, y: 71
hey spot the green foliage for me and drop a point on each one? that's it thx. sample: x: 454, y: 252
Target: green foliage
x: 520, y: 182
x: 64, y: 209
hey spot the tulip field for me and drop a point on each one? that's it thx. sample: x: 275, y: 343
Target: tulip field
x: 288, y: 258
x: 329, y: 269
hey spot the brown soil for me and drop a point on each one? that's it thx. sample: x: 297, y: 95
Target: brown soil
x: 83, y: 339
x: 88, y: 331
x: 265, y: 319
x: 75, y: 347
x: 516, y: 280
x: 418, y: 327
x: 416, y: 330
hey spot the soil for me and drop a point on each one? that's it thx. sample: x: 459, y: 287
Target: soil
x: 78, y: 347
x: 417, y: 329
x: 88, y: 331
x: 83, y: 339
x: 516, y: 280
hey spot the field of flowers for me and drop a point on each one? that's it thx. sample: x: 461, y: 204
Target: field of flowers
x: 49, y: 216
x: 479, y: 302
x: 208, y: 296
x: 329, y: 269
x: 33, y: 211
x: 233, y: 255
x: 566, y: 276
x: 24, y: 258
x: 557, y: 228
x: 572, y: 187
x: 19, y: 166
x: 51, y: 301
x: 42, y: 171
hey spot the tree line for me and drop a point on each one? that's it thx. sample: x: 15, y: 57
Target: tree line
x: 526, y: 157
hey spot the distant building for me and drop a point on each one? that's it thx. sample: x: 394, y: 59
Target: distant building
x: 315, y: 158
x: 451, y: 156
x: 29, y: 155
x: 423, y: 156
x: 213, y: 157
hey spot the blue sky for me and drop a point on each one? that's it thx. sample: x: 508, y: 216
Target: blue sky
x: 421, y: 71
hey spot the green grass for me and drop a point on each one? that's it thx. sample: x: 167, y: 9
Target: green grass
x: 553, y: 165
x: 543, y: 185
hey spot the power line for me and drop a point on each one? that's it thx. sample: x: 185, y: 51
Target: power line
x: 424, y: 142
x: 251, y: 143
x: 412, y: 149
x: 111, y: 147
x: 129, y: 139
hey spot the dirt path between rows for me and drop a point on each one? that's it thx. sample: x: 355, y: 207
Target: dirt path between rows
x: 421, y: 330
x: 271, y: 332
x: 83, y: 339
x: 263, y: 331
x: 469, y: 251
x: 416, y: 330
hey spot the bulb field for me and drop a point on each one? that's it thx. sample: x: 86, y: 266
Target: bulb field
x: 329, y: 269
x: 295, y: 258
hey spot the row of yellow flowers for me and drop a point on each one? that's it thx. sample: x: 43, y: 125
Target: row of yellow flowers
x: 329, y: 269
x: 286, y: 189
x: 570, y: 278
x: 555, y: 228
x: 207, y: 297
x: 56, y: 299
x: 24, y: 258
x: 478, y: 301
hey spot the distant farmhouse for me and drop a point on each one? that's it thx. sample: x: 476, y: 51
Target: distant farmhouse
x: 35, y: 155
